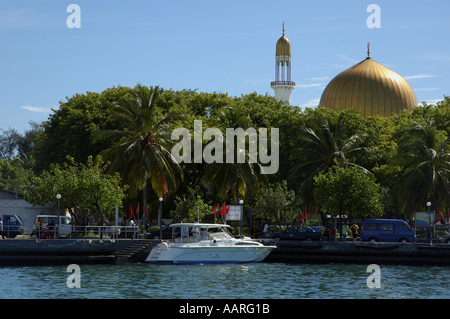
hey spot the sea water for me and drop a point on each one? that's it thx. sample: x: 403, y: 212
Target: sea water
x: 234, y: 281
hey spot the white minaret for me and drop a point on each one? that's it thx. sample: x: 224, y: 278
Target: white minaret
x: 283, y: 85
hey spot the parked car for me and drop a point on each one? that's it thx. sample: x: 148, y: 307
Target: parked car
x: 41, y: 226
x: 444, y: 239
x: 13, y: 225
x: 297, y: 233
x: 317, y: 228
x: 166, y: 233
x: 387, y: 230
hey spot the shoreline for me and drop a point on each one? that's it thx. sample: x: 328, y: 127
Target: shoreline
x: 116, y: 251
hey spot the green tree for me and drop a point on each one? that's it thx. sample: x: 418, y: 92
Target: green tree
x: 69, y: 130
x: 85, y: 189
x: 142, y: 145
x: 13, y: 175
x: 333, y: 145
x: 9, y: 142
x: 276, y: 203
x: 348, y: 191
x: 424, y: 155
x: 234, y: 177
x: 190, y: 206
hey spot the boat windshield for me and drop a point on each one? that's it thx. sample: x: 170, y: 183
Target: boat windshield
x: 193, y: 233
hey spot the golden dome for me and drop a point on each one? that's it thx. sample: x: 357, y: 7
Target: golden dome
x: 283, y: 46
x: 371, y: 88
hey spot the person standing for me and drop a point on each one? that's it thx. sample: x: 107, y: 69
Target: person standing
x: 1, y: 229
x: 344, y: 231
x: 354, y: 228
x: 266, y: 229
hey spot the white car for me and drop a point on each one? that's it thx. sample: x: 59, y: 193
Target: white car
x: 65, y: 224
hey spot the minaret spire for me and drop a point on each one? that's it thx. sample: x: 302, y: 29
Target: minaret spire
x: 368, y: 50
x: 283, y: 85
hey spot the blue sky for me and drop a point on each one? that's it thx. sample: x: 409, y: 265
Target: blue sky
x: 209, y: 45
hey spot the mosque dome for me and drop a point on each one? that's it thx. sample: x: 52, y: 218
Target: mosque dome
x: 283, y: 46
x: 371, y: 88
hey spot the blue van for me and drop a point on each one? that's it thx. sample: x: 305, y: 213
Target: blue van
x: 387, y: 230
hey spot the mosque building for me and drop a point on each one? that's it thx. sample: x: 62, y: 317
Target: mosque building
x: 368, y: 86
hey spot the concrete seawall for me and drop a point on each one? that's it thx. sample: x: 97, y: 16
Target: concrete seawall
x: 95, y: 251
x: 360, y: 253
x: 66, y: 251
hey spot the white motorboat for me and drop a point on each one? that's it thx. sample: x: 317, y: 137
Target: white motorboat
x: 197, y: 243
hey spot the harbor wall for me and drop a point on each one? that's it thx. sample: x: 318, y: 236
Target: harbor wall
x: 81, y: 251
x: 59, y: 251
x: 360, y: 253
x: 78, y: 251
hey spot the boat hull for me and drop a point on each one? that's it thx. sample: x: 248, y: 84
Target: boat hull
x: 209, y: 255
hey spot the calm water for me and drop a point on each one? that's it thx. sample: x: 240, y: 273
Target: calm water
x: 249, y: 281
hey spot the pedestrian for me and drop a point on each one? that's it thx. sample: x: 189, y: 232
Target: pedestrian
x: 1, y: 229
x: 344, y: 231
x: 326, y: 234
x: 333, y: 233
x: 266, y: 229
x: 354, y: 228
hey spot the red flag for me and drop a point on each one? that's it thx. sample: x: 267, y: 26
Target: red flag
x: 304, y: 212
x: 130, y: 215
x: 222, y: 211
x: 137, y: 210
x: 145, y: 213
x: 440, y: 218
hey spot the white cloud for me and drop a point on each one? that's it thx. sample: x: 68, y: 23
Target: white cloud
x: 38, y: 109
x: 323, y: 78
x: 346, y: 58
x: 419, y: 76
x: 433, y: 101
x: 311, y: 103
x: 308, y: 85
x: 426, y: 89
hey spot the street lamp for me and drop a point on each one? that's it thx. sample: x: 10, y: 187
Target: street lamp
x: 241, y: 202
x: 58, y: 197
x: 160, y: 217
x: 429, y: 222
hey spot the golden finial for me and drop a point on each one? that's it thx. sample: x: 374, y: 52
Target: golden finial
x: 283, y: 27
x: 368, y: 49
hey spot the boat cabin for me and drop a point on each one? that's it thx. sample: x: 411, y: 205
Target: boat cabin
x: 196, y: 232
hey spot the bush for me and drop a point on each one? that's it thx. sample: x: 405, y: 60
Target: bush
x: 441, y: 233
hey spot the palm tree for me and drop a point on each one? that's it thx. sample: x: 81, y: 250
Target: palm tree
x: 423, y: 153
x: 237, y: 178
x: 331, y: 146
x: 142, y: 146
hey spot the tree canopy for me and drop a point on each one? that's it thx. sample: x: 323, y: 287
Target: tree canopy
x: 311, y: 140
x: 348, y: 191
x: 85, y: 189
